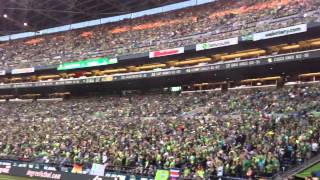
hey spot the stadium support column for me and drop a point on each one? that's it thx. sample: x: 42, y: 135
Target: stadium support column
x: 225, y: 86
x: 281, y: 82
x: 286, y: 78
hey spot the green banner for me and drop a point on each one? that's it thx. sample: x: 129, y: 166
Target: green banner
x: 247, y: 37
x: 162, y: 175
x: 87, y: 63
x: 309, y: 171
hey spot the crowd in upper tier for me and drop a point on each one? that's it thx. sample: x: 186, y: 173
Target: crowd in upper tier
x: 214, y: 21
x: 253, y: 132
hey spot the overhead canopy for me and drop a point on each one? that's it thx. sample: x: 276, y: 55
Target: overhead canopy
x: 52, y: 13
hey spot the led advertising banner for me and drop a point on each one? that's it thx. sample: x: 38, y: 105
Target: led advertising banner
x: 21, y: 71
x: 87, y: 63
x: 217, y: 44
x: 280, y: 32
x: 166, y: 52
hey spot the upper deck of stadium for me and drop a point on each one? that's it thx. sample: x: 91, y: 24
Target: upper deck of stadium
x: 204, y: 23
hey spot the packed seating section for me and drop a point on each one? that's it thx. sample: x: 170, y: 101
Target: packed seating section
x: 247, y: 132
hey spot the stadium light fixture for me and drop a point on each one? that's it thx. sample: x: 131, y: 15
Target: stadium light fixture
x: 25, y: 24
x: 5, y: 16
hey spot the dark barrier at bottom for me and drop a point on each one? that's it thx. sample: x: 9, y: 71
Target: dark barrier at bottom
x: 50, y: 175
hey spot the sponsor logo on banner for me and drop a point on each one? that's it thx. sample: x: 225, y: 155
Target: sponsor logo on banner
x: 280, y: 32
x: 166, y: 52
x: 217, y: 44
x: 43, y: 174
x: 247, y: 37
x: 5, y: 170
x: 12, y: 168
x: 21, y: 71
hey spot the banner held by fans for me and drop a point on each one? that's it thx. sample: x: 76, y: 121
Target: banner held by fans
x: 97, y: 169
x: 162, y: 175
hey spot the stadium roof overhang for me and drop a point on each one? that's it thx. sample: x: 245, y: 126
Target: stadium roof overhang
x: 52, y: 13
x: 289, y: 70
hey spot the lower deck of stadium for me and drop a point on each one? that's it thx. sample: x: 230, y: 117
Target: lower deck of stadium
x: 247, y: 132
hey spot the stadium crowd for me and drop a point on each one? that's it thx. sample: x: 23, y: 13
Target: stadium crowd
x: 215, y: 21
x: 244, y: 133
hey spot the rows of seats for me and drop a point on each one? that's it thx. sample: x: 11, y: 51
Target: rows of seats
x: 249, y: 132
x: 214, y: 21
